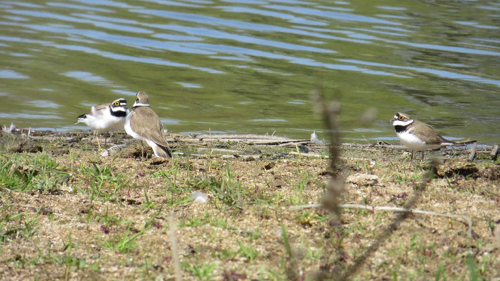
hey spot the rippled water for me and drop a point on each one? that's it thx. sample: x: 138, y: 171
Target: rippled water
x: 249, y: 66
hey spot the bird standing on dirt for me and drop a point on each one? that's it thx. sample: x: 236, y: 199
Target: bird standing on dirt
x: 106, y: 117
x: 144, y: 124
x: 419, y: 136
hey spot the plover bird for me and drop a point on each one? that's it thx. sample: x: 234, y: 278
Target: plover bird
x: 106, y: 117
x: 144, y: 124
x: 419, y: 136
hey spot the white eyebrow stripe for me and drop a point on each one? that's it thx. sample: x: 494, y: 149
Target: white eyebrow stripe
x: 402, y: 123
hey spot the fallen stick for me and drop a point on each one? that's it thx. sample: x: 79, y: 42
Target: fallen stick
x: 473, y: 153
x: 175, y: 251
x: 394, y: 209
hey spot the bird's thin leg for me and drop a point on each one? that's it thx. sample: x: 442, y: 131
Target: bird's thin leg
x: 411, y: 159
x: 97, y: 137
x: 106, y: 140
x: 142, y: 150
x: 423, y: 154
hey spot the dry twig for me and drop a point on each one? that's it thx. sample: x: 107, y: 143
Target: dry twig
x: 175, y: 251
x: 395, y: 209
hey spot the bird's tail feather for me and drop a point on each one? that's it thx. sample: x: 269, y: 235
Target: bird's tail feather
x: 461, y: 142
x: 165, y: 151
x: 80, y: 118
x: 465, y: 142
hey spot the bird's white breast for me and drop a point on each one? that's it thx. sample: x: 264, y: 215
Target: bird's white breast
x: 128, y: 128
x: 414, y: 143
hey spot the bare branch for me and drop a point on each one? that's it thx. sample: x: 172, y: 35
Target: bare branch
x: 394, y: 209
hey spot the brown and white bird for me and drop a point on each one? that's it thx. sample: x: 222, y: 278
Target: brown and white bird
x: 144, y: 124
x: 416, y: 135
x: 106, y: 117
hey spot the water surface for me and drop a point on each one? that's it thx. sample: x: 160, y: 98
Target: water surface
x: 250, y: 66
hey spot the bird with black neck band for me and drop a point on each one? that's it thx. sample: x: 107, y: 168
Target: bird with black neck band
x: 106, y: 117
x: 419, y: 136
x: 144, y: 124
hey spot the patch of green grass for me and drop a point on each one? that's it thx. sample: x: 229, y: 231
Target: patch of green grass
x: 69, y: 260
x: 225, y: 191
x: 103, y: 183
x: 273, y: 275
x: 472, y: 268
x: 314, y: 254
x: 408, y: 178
x: 10, y: 177
x: 175, y: 200
x: 123, y: 243
x: 285, y: 241
x: 49, y: 185
x: 31, y: 172
x: 227, y: 254
x: 228, y: 190
x: 337, y: 240
x: 148, y: 204
x: 194, y: 222
x: 202, y: 271
x: 170, y: 175
x: 147, y: 267
x: 47, y: 257
x: 247, y: 252
x: 220, y: 222
x: 440, y: 273
x: 107, y: 219
x: 309, y: 218
x: 108, y: 222
x: 18, y: 226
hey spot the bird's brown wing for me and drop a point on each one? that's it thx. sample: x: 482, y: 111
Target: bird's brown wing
x: 98, y: 109
x: 145, y: 122
x: 429, y: 135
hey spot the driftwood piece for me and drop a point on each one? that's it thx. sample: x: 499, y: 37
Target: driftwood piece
x: 473, y: 153
x: 247, y: 139
x: 494, y: 152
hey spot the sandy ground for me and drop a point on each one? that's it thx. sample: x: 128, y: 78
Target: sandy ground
x: 67, y: 212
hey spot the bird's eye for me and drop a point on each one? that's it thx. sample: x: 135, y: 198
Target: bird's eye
x: 401, y: 117
x: 117, y: 103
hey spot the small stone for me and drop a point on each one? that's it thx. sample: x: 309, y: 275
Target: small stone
x: 199, y: 197
x: 113, y: 150
x: 268, y: 165
x: 45, y: 211
x: 362, y: 179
